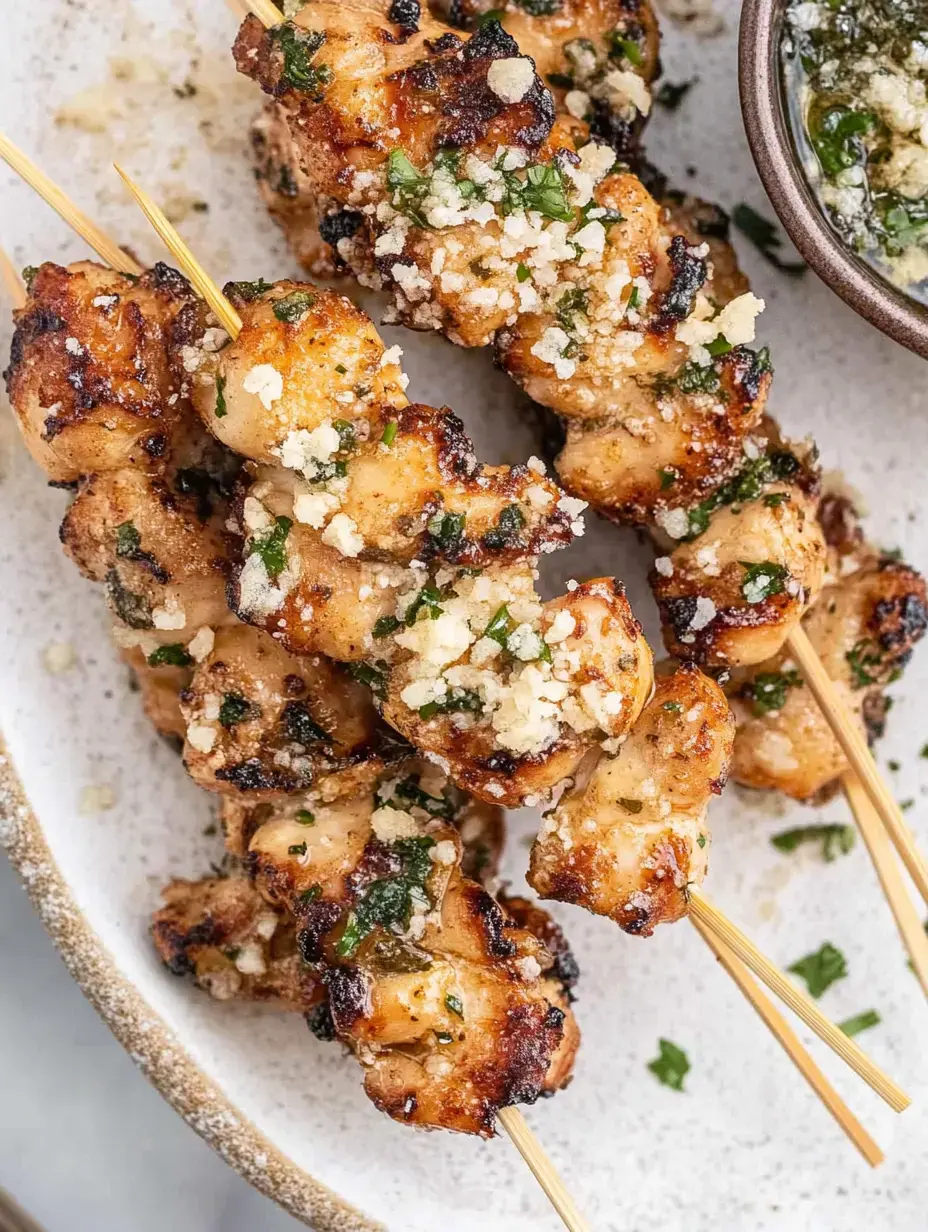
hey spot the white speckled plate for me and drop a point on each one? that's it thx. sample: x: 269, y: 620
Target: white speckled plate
x: 747, y: 1146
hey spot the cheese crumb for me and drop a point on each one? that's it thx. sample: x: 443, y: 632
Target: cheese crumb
x: 265, y: 381
x: 511, y: 79
x: 202, y: 643
x: 342, y: 533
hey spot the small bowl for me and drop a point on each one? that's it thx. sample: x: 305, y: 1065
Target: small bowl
x: 765, y: 119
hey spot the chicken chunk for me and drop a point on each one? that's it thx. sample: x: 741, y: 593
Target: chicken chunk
x: 631, y: 837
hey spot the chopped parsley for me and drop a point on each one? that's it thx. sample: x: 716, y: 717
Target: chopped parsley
x: 836, y: 840
x: 221, y: 409
x: 293, y: 307
x: 128, y: 540
x: 29, y: 275
x: 693, y: 378
x: 624, y: 48
x: 821, y: 969
x: 250, y: 290
x: 719, y: 346
x: 173, y: 655
x: 297, y: 849
x: 310, y: 896
x: 447, y: 529
x: 768, y: 690
x: 860, y: 1022
x: 746, y: 485
x: 298, y: 47
x: 498, y: 627
x: 271, y: 546
x: 506, y: 532
x: 573, y: 302
x: 408, y: 185
x: 234, y: 709
x: 429, y: 600
x: 454, y: 700
x: 672, y: 93
x: 700, y: 840
x: 544, y: 191
x: 388, y: 903
x: 676, y: 707
x: 523, y: 273
x: 863, y: 656
x: 305, y: 817
x: 386, y: 625
x: 668, y: 478
x: 454, y: 1005
x: 410, y: 792
x: 765, y: 236
x: 762, y: 580
x: 374, y: 677
x: 670, y: 1066
x: 630, y: 806
x: 389, y: 433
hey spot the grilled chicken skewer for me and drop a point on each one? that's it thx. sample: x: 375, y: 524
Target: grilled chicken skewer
x: 625, y: 317
x: 349, y: 877
x: 748, y: 953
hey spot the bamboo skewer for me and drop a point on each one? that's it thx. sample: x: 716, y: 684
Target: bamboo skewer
x: 883, y: 856
x: 799, y: 1002
x: 111, y: 253
x: 792, y: 1045
x: 11, y: 280
x: 855, y: 750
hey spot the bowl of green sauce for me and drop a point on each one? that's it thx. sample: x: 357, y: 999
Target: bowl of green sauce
x: 835, y: 102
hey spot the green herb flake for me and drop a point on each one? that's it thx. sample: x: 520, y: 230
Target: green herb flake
x: 271, y: 547
x: 861, y: 658
x: 836, y: 840
x: 544, y: 191
x: 670, y: 1066
x: 386, y: 625
x: 820, y: 969
x: 298, y: 47
x: 128, y: 540
x: 762, y: 580
x: 498, y: 627
x: 860, y: 1022
x: 310, y: 896
x: 447, y: 529
x: 523, y: 273
x: 305, y: 818
x: 668, y: 478
x: 773, y: 500
x: 454, y: 1005
x: 341, y: 369
x: 249, y: 291
x: 624, y: 48
x: 374, y: 677
x: 173, y: 655
x: 456, y: 700
x: 292, y: 308
x: 765, y: 236
x: 768, y: 690
x: 234, y: 709
x: 29, y: 275
x: 297, y: 849
x: 675, y: 707
x: 895, y: 766
x: 389, y: 433
x: 719, y: 346
x: 221, y: 409
x: 700, y: 840
x: 389, y: 902
x: 630, y: 806
x: 507, y: 531
x: 671, y: 94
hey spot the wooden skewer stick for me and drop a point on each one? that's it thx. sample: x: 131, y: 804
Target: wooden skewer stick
x: 855, y: 749
x: 11, y: 280
x: 799, y: 1002
x: 881, y: 852
x: 792, y: 1045
x: 511, y: 1119
x: 266, y: 12
x: 76, y: 219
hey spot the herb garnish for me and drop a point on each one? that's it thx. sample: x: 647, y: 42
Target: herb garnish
x: 128, y: 540
x: 374, y: 677
x: 454, y: 1004
x: 505, y: 534
x: 305, y: 817
x: 271, y: 546
x: 172, y: 655
x: 221, y: 409
x: 250, y: 290
x: 821, y: 969
x: 234, y: 709
x: 837, y: 840
x: 389, y: 902
x: 863, y: 656
x: 671, y: 1065
x: 454, y: 700
x: 765, y: 236
x: 293, y: 307
x: 630, y: 806
x: 298, y: 47
x: 447, y: 529
x: 389, y: 433
x: 767, y: 691
x: 763, y: 579
x: 860, y: 1022
x: 671, y: 94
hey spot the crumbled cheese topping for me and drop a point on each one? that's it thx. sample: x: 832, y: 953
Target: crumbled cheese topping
x: 511, y: 79
x: 265, y: 381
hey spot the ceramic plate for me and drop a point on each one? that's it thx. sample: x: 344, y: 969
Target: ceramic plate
x: 746, y: 1146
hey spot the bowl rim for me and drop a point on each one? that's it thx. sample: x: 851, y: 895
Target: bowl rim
x: 152, y: 1045
x: 771, y: 144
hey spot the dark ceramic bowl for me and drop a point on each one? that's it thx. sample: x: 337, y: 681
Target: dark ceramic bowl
x: 765, y: 118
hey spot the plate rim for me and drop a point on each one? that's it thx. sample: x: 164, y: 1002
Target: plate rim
x: 156, y: 1049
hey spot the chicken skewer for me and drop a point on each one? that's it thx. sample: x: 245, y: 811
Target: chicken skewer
x: 700, y: 751
x: 809, y: 1011
x: 488, y: 970
x: 378, y: 205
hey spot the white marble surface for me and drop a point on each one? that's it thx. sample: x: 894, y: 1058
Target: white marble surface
x: 86, y: 1145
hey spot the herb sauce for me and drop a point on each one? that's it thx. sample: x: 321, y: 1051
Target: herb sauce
x: 856, y: 73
